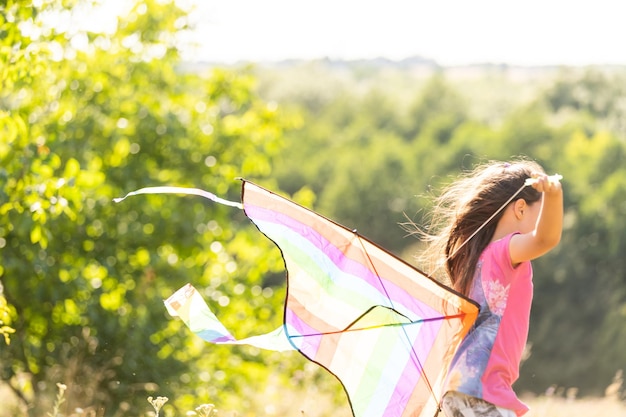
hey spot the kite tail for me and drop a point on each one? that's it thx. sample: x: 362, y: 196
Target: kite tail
x: 182, y: 190
x: 189, y: 305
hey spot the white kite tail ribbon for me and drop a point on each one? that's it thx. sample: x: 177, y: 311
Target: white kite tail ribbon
x: 181, y: 190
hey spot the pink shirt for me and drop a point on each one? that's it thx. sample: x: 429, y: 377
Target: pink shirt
x: 487, y: 362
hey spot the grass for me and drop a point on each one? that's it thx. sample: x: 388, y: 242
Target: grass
x: 314, y: 403
x: 545, y: 406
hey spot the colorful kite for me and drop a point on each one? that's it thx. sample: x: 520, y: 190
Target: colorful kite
x: 386, y: 330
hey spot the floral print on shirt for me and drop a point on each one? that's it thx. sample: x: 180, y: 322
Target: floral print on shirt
x: 496, y: 295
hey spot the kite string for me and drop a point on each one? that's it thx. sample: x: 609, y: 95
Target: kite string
x: 486, y: 222
x: 529, y: 181
x: 414, y: 355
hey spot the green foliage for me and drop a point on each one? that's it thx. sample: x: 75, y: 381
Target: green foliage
x: 5, y: 318
x: 86, y: 278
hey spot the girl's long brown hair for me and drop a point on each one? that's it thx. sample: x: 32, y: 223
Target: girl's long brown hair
x: 463, y: 207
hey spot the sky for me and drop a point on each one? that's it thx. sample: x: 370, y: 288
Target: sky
x: 451, y: 32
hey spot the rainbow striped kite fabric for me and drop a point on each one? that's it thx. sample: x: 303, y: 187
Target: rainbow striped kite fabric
x: 383, y: 328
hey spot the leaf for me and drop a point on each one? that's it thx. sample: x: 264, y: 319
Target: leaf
x: 35, y: 234
x: 72, y: 168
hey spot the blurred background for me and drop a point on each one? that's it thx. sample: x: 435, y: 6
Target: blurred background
x: 359, y: 110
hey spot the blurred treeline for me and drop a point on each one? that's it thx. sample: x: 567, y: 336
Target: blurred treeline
x: 376, y: 143
x: 86, y: 117
x: 374, y: 161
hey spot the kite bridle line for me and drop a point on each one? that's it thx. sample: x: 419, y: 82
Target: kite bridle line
x: 414, y: 357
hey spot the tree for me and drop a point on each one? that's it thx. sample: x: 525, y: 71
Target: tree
x: 578, y: 306
x: 439, y: 108
x: 86, y: 277
x: 596, y: 93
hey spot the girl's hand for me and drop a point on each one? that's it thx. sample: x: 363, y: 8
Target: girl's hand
x: 545, y: 183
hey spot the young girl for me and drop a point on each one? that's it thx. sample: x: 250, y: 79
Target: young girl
x: 492, y: 226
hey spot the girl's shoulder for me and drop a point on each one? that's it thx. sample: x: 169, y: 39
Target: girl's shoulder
x: 498, y: 252
x: 501, y: 243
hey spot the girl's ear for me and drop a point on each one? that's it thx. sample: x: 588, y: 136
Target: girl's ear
x: 518, y: 208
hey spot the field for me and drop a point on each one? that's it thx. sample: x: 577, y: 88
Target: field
x: 584, y: 407
x: 318, y: 403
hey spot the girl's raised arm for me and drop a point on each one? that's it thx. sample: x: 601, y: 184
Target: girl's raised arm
x: 548, y: 222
